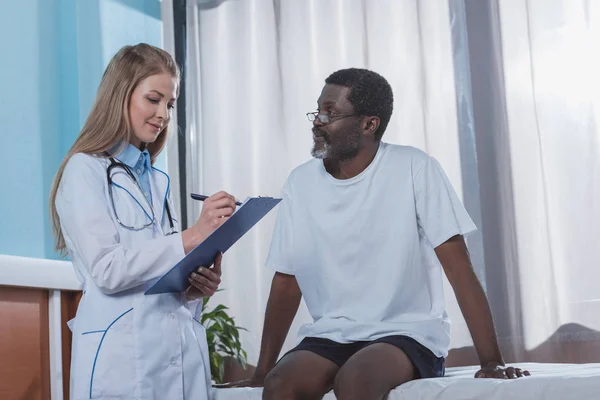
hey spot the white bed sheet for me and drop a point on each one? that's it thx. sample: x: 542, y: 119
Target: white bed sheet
x: 548, y: 382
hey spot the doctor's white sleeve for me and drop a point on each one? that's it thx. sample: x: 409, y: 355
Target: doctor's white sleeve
x: 93, y: 238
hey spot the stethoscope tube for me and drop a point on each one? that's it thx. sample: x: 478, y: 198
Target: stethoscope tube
x: 117, y: 164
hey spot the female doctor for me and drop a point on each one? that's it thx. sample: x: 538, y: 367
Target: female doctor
x: 112, y: 213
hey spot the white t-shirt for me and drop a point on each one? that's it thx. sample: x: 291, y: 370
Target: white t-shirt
x: 362, y: 249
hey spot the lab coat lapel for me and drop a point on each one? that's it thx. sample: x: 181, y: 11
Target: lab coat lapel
x: 159, y: 182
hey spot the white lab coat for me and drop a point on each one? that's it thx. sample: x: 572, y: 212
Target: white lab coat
x: 127, y: 345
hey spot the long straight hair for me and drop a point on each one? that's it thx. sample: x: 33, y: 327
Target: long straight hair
x: 108, y: 123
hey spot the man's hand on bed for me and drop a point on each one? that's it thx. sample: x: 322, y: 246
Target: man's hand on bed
x: 500, y: 371
x: 255, y: 381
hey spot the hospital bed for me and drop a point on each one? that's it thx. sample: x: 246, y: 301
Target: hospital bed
x: 39, y: 296
x: 548, y: 382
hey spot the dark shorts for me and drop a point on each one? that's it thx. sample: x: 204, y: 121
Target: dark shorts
x: 426, y: 364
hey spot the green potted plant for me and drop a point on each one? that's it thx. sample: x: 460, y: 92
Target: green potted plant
x: 223, y: 337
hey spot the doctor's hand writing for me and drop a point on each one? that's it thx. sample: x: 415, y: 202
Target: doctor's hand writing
x: 205, y: 281
x: 215, y: 211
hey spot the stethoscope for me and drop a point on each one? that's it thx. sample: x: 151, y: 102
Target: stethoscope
x: 117, y: 164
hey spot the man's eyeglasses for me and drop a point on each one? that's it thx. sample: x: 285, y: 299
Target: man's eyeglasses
x: 326, y: 118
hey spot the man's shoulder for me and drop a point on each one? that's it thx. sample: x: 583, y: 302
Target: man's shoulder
x: 402, y: 156
x: 306, y: 170
x: 403, y: 151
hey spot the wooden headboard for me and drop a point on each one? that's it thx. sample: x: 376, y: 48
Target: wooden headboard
x: 37, y: 298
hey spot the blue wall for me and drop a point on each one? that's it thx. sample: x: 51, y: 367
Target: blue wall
x: 54, y: 54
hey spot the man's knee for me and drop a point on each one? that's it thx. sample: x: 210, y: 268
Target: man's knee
x: 277, y: 387
x: 354, y: 383
x: 351, y: 384
x: 281, y: 386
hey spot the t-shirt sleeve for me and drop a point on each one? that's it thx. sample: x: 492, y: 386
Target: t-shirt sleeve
x: 440, y: 214
x: 280, y: 252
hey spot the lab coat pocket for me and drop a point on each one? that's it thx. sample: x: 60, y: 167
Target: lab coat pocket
x: 114, y: 370
x: 85, y: 347
x: 200, y: 332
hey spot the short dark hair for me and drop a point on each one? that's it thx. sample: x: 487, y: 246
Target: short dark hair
x: 370, y: 94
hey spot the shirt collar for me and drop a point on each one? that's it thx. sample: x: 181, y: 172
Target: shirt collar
x: 132, y: 156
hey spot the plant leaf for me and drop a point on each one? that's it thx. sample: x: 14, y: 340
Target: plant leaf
x: 222, y: 335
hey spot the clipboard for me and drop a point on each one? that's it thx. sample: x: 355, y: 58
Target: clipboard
x: 240, y: 222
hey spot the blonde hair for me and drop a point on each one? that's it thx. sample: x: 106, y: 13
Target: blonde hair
x: 108, y: 123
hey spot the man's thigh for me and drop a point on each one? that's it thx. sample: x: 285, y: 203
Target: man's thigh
x: 300, y: 374
x: 373, y: 371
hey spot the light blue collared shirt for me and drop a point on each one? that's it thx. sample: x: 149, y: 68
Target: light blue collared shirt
x: 139, y: 163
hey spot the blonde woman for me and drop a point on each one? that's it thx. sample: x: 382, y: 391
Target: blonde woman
x: 112, y: 213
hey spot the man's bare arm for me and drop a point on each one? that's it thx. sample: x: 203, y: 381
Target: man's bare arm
x: 454, y: 257
x: 282, y: 306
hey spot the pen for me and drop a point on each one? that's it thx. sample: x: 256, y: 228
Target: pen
x: 201, y: 197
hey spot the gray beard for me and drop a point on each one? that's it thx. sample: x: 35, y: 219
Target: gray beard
x: 320, y: 153
x: 343, y: 150
x: 327, y: 151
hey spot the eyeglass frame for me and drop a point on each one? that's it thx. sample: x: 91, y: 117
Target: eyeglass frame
x: 315, y: 115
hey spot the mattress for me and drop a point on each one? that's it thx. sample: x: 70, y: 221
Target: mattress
x: 548, y: 382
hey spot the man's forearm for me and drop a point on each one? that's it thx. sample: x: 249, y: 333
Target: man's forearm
x: 476, y: 310
x: 454, y: 257
x: 282, y: 306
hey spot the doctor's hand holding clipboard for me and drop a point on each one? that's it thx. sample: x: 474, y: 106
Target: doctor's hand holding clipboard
x: 215, y: 211
x: 112, y: 213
